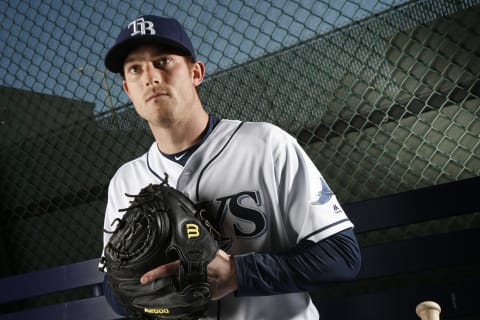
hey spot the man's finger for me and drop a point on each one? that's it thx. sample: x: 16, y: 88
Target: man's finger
x: 160, y: 272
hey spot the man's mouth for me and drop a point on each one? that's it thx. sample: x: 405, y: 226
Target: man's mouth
x: 155, y: 95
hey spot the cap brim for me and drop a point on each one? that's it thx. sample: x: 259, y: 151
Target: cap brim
x: 117, y: 54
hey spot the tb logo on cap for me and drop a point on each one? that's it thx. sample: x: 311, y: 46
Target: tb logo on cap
x: 140, y: 26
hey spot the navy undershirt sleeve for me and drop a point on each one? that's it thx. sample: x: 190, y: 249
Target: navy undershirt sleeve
x: 107, y: 291
x: 303, y: 268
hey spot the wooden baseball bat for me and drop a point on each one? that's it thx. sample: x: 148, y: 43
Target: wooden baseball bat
x: 428, y: 310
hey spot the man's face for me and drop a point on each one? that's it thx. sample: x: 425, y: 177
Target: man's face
x: 161, y: 85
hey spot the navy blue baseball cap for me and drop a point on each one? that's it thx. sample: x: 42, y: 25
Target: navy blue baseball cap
x: 148, y: 29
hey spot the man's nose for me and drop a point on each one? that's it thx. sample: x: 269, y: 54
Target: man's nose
x: 152, y: 76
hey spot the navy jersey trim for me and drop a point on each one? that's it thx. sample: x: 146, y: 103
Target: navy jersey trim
x: 324, y: 228
x: 151, y: 170
x: 182, y: 156
x: 197, y: 189
x: 212, y: 123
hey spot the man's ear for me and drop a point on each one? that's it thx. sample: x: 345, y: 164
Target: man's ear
x: 198, y: 72
x: 125, y: 87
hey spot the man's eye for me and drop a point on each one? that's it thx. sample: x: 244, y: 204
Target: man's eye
x: 132, y: 69
x: 161, y: 63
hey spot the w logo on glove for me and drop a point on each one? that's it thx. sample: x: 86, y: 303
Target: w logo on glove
x: 192, y: 230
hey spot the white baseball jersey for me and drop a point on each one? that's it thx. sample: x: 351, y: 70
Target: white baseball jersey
x: 266, y: 192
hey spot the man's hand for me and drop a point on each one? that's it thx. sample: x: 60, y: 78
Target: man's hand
x: 222, y: 274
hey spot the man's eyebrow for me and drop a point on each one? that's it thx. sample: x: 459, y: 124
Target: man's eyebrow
x: 135, y: 58
x: 131, y: 59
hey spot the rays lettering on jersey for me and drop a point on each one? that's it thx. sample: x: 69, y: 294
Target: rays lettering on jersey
x: 244, y: 209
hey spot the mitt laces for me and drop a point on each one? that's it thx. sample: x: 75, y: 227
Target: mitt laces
x: 139, y: 200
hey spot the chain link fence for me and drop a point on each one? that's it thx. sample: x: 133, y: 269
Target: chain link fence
x: 383, y: 95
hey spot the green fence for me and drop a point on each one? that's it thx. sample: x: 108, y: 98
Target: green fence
x: 383, y: 95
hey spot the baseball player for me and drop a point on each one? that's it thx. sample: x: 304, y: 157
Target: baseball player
x: 289, y: 234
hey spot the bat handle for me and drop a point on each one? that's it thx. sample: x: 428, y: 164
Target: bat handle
x: 428, y: 310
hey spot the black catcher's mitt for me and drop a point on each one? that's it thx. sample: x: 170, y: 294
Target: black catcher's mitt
x: 161, y: 225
